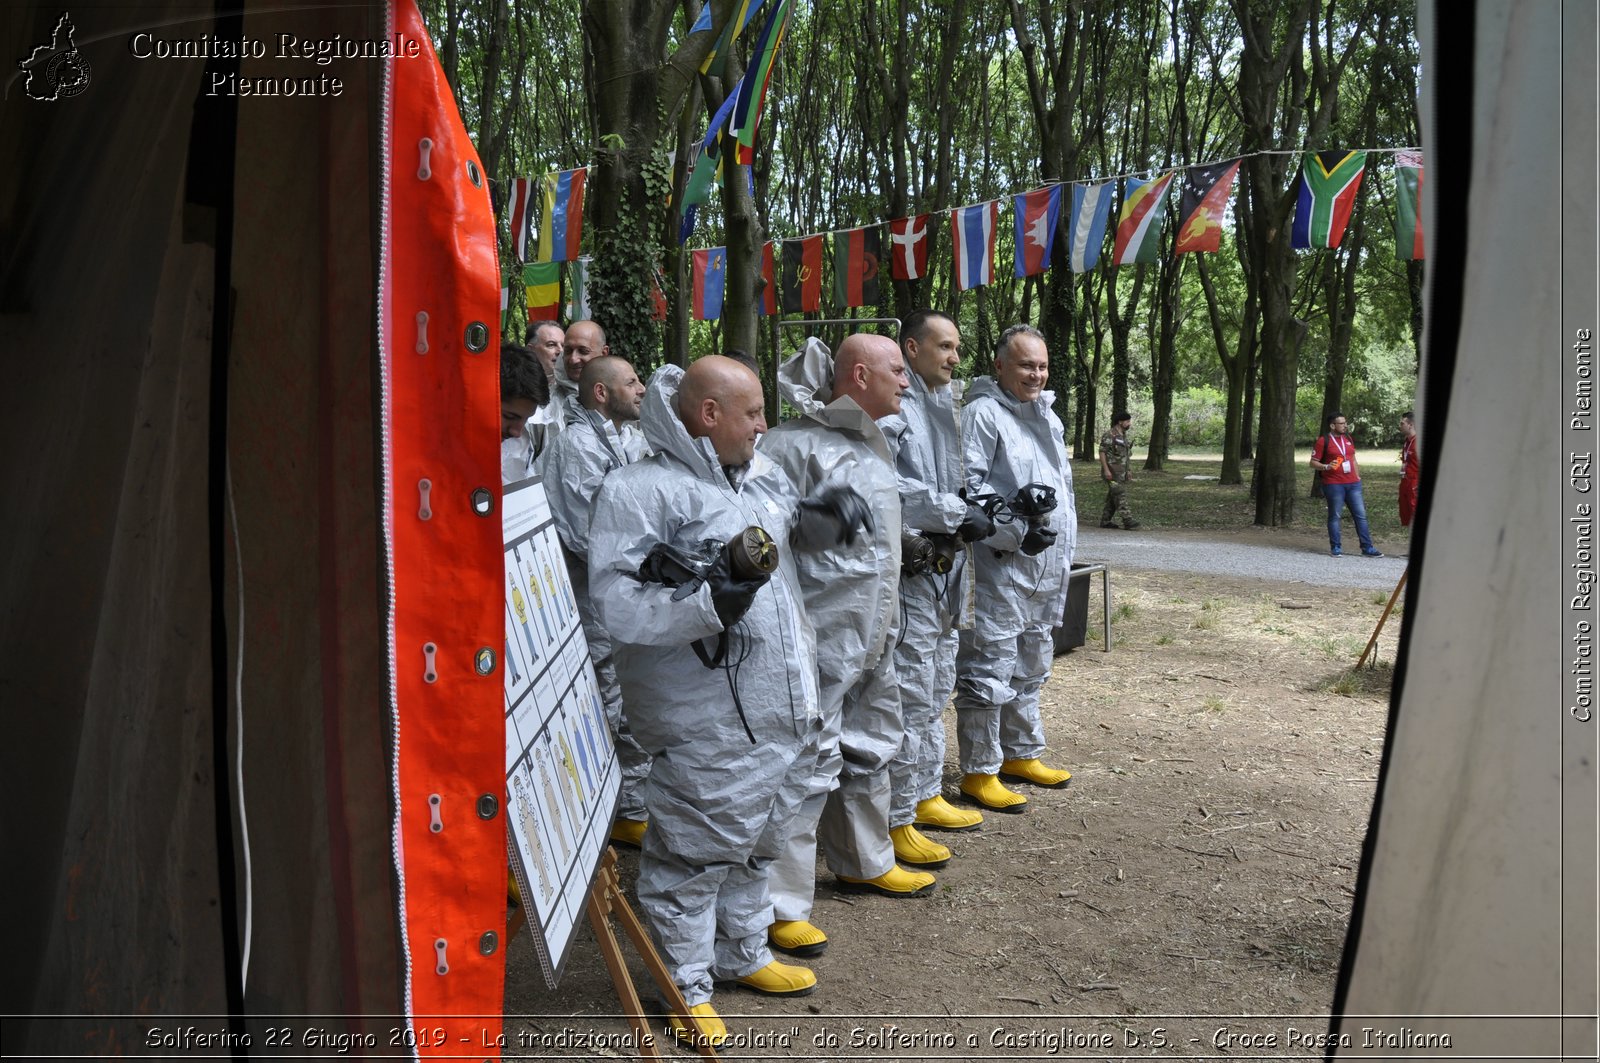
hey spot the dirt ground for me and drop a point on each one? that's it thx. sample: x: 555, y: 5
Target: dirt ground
x: 1200, y: 867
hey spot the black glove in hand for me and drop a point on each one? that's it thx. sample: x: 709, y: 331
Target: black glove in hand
x: 975, y: 525
x: 1038, y: 540
x: 839, y: 508
x: 729, y: 594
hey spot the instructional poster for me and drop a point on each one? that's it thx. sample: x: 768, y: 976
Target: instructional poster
x: 562, y: 777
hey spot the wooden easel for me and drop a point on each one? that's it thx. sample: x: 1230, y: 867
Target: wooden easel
x: 605, y: 900
x: 1372, y: 643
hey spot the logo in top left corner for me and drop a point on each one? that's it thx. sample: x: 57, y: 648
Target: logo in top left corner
x: 57, y: 70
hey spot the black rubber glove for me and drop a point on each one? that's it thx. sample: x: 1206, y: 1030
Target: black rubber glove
x: 1038, y: 540
x: 975, y: 525
x: 730, y: 594
x: 838, y: 508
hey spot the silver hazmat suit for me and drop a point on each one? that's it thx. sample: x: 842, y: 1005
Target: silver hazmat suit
x: 1004, y: 659
x: 575, y: 464
x: 926, y: 440
x: 851, y: 596
x: 718, y: 803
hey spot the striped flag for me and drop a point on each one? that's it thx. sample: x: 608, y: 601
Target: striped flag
x: 802, y: 275
x: 973, y: 229
x: 710, y: 278
x: 542, y: 282
x: 1202, y: 206
x: 578, y: 289
x: 753, y: 86
x: 1036, y: 215
x: 1408, y: 205
x: 855, y: 267
x: 909, y: 259
x: 1329, y: 181
x: 716, y: 61
x: 561, y: 223
x: 1091, y: 213
x: 1139, y: 224
x: 520, y: 215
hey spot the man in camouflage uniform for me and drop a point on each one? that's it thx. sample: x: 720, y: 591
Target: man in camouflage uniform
x: 1116, y: 456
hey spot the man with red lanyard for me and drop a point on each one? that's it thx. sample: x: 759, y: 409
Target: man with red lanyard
x: 1334, y: 457
x: 1410, y: 470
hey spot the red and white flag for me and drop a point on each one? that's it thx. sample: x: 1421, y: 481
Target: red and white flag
x: 908, y: 259
x: 520, y: 217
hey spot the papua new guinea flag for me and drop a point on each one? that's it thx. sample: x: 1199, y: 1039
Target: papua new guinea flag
x: 1408, y: 205
x: 855, y: 267
x: 1139, y: 225
x: 1328, y: 184
x: 1036, y: 214
x: 710, y: 280
x: 1203, y: 206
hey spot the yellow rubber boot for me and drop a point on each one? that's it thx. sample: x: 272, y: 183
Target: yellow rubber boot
x: 797, y: 937
x: 938, y: 814
x: 781, y: 980
x: 987, y: 791
x: 1033, y: 771
x: 911, y: 847
x: 895, y: 882
x: 629, y: 832
x: 715, y: 1031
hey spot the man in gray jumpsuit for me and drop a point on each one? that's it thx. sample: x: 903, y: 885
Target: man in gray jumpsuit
x: 591, y: 446
x: 852, y: 599
x: 733, y: 748
x: 926, y: 439
x: 1013, y: 440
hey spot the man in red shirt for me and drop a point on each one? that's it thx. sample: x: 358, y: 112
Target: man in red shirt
x: 1334, y: 456
x: 1410, y: 470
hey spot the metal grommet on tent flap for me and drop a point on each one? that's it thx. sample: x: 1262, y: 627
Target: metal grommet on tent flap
x: 424, y: 507
x: 482, y: 501
x: 488, y: 806
x: 429, y: 652
x: 435, y: 824
x: 442, y: 966
x: 477, y: 337
x: 488, y: 943
x: 422, y: 332
x: 484, y: 662
x: 424, y: 149
x: 474, y: 174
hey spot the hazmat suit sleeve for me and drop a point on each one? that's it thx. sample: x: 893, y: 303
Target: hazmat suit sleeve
x: 631, y: 515
x: 981, y: 446
x: 922, y: 505
x: 573, y: 475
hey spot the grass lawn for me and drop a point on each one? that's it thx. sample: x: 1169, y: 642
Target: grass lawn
x: 1166, y: 499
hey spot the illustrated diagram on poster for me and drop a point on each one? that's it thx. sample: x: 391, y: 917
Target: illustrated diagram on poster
x: 562, y: 777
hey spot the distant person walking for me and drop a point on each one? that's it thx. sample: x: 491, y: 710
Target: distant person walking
x: 1116, y: 465
x: 1334, y: 456
x: 1410, y: 470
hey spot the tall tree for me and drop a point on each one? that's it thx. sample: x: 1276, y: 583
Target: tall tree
x: 636, y: 86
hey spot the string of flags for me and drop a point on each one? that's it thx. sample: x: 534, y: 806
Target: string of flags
x: 1079, y: 212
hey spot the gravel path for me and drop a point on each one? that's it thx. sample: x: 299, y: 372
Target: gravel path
x: 1189, y: 552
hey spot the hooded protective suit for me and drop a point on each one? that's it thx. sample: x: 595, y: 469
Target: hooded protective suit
x: 1005, y: 658
x: 926, y: 441
x: 574, y: 466
x: 718, y: 802
x: 851, y: 597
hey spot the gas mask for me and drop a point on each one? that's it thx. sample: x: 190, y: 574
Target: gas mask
x: 751, y: 554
